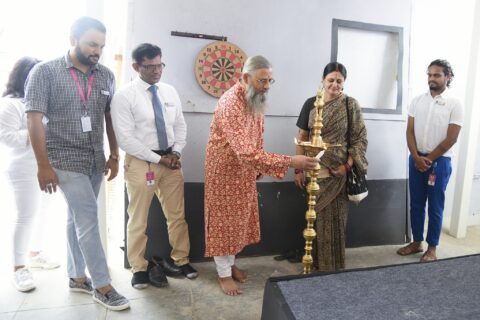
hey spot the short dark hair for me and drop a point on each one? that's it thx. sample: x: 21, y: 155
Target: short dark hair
x: 447, y: 68
x: 83, y: 24
x: 145, y: 50
x: 335, y: 66
x: 18, y: 77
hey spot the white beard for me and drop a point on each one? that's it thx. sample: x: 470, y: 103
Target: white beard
x: 256, y: 101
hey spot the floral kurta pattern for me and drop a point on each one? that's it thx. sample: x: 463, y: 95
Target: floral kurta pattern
x: 234, y: 158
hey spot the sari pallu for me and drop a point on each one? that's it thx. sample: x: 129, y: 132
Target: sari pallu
x: 332, y: 201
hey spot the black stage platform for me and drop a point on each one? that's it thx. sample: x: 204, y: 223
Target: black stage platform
x: 440, y: 290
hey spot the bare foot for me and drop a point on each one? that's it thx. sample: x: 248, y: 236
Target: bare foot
x: 429, y: 255
x: 411, y: 248
x: 239, y: 275
x: 229, y: 287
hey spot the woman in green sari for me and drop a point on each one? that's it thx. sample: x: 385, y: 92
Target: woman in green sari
x: 332, y: 202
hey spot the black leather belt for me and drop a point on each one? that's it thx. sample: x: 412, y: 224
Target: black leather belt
x: 163, y: 152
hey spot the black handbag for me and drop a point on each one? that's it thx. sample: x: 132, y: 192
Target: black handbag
x: 357, y: 188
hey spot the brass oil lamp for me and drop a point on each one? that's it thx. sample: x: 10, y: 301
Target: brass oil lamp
x: 313, y: 148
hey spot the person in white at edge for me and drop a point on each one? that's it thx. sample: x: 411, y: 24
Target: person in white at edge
x: 434, y: 122
x: 31, y: 204
x: 151, y: 169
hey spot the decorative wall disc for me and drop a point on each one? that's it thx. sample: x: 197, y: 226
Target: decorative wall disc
x: 219, y: 66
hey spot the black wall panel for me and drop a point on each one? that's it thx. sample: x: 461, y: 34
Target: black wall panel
x: 378, y: 220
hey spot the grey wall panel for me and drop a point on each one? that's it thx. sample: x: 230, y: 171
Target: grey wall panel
x: 294, y: 35
x: 387, y: 149
x: 193, y: 156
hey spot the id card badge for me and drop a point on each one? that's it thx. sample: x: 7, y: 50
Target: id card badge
x: 431, y: 179
x: 150, y: 178
x: 86, y: 124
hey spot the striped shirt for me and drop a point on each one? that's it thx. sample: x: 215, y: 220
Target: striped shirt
x: 52, y: 91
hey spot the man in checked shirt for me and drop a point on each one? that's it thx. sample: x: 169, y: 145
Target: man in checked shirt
x: 67, y: 101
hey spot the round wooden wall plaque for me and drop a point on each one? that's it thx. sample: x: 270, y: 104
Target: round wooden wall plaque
x: 219, y: 66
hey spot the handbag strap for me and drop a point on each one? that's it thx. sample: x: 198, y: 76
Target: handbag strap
x: 349, y: 125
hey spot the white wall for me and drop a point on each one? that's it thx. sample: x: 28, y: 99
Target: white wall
x: 295, y: 36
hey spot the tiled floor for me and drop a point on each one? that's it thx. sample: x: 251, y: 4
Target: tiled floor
x: 186, y: 299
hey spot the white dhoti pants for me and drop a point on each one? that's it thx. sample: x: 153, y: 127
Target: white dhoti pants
x: 224, y: 265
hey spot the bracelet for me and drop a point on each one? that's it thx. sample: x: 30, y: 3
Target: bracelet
x: 347, y: 166
x: 297, y: 171
x: 113, y: 157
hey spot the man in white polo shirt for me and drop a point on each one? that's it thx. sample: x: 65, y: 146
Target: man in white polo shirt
x: 434, y: 122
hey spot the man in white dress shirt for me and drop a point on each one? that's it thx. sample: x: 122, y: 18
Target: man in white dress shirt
x: 434, y: 122
x: 150, y: 128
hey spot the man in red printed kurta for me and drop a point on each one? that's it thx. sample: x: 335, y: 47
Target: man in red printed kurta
x: 235, y: 159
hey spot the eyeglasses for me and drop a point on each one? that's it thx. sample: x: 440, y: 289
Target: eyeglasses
x: 264, y: 81
x: 153, y: 67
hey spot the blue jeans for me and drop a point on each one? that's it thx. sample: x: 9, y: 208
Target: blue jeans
x: 420, y: 192
x: 83, y: 236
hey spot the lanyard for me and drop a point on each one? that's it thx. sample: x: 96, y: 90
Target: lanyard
x: 79, y: 88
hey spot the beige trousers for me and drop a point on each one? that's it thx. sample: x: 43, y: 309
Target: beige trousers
x: 168, y: 188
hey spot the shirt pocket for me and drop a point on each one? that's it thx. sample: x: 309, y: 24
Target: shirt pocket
x: 103, y: 99
x: 441, y: 116
x: 171, y: 111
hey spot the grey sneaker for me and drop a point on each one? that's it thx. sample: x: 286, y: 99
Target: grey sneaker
x: 112, y: 300
x: 85, y: 287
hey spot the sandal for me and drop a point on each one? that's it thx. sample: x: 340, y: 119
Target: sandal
x: 409, y: 249
x: 428, y: 257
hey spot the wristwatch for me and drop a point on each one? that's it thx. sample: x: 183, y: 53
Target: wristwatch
x: 177, y: 154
